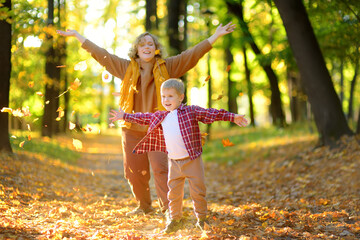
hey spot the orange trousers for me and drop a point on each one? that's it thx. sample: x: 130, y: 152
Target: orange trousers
x: 137, y: 171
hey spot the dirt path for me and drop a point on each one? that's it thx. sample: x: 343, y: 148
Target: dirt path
x: 291, y: 192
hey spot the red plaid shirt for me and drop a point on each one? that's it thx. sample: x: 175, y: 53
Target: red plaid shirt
x: 188, y: 116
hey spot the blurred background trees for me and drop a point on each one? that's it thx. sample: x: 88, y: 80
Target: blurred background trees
x: 256, y: 70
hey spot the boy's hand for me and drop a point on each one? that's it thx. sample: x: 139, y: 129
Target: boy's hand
x: 116, y: 115
x: 240, y: 120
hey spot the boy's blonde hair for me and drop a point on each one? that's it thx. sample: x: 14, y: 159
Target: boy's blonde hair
x: 174, y: 83
x: 133, y: 50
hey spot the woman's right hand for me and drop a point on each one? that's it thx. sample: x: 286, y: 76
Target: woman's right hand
x: 71, y: 33
x: 68, y: 33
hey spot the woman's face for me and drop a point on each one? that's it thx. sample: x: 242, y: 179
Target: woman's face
x: 146, y: 48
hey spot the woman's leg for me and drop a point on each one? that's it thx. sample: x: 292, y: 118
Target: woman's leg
x: 136, y: 168
x: 159, y: 166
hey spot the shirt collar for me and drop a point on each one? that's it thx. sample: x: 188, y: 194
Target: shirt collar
x: 181, y: 107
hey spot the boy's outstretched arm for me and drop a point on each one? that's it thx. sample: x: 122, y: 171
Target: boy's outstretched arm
x: 221, y: 31
x: 116, y: 115
x: 72, y: 33
x: 240, y: 120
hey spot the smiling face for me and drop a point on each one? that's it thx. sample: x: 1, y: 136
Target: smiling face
x: 170, y: 98
x: 146, y: 48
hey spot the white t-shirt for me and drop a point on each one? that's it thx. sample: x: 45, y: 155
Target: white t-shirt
x: 174, y: 142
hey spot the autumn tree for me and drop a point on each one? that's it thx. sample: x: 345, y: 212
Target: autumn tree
x: 5, y: 72
x: 151, y: 19
x: 329, y: 116
x: 276, y: 108
x: 176, y: 9
x: 52, y: 79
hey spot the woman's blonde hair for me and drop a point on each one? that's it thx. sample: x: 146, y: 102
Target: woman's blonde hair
x: 174, y: 83
x: 133, y: 50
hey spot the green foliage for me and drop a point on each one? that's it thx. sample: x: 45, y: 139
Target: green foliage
x: 251, y: 138
x: 50, y: 148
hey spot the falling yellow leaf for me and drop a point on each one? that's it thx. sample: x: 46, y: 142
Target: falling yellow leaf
x: 40, y: 94
x: 88, y: 128
x: 219, y: 97
x: 29, y: 137
x: 203, y: 138
x: 61, y: 66
x: 31, y: 84
x: 26, y: 111
x: 5, y: 109
x: 81, y: 66
x: 47, y: 102
x: 28, y: 127
x: 226, y: 143
x: 77, y: 144
x: 17, y: 113
x: 96, y: 115
x: 207, y: 78
x: 74, y: 85
x: 60, y: 110
x: 71, y: 125
x: 22, y: 144
x: 228, y: 68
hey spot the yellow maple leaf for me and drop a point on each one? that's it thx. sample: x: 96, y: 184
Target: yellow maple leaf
x: 226, y: 143
x: 74, y: 85
x: 71, y: 125
x: 5, y: 109
x: 80, y: 66
x: 228, y: 68
x: 77, y: 144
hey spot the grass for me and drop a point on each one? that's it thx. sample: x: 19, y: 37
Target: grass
x: 248, y: 143
x: 251, y: 141
x: 48, y: 147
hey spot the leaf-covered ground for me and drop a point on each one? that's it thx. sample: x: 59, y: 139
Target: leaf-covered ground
x: 283, y: 190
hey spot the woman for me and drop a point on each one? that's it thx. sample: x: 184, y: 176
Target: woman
x: 140, y: 92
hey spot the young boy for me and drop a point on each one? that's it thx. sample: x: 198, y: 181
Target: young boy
x: 176, y: 131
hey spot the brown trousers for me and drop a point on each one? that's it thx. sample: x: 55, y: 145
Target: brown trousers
x: 137, y: 171
x: 193, y: 170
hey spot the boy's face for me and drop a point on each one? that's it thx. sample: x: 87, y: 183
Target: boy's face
x: 171, y: 99
x: 146, y: 48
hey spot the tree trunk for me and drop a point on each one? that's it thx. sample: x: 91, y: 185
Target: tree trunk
x: 297, y: 96
x: 350, y: 115
x: 341, y: 94
x: 152, y: 21
x: 358, y: 124
x: 232, y: 92
x: 276, y: 109
x: 5, y: 72
x: 49, y: 124
x: 175, y: 9
x: 249, y: 86
x: 325, y: 104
